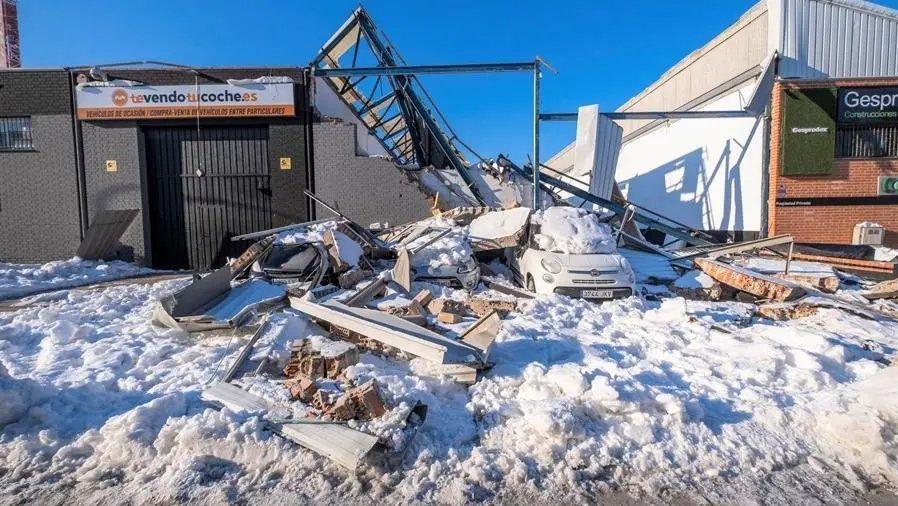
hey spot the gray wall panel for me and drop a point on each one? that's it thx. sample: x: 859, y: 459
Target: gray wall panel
x: 367, y: 189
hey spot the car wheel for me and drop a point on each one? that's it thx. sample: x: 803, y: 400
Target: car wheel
x: 531, y: 287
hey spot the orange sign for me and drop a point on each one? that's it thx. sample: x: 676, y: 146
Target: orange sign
x: 165, y: 102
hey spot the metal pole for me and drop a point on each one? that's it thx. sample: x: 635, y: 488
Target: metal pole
x: 536, y: 70
x: 789, y: 258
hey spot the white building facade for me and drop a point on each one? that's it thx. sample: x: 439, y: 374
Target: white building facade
x: 711, y: 174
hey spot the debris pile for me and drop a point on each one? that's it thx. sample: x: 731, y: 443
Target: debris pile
x: 435, y: 292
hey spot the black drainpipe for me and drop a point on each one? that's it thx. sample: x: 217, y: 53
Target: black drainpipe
x: 308, y: 101
x: 80, y: 172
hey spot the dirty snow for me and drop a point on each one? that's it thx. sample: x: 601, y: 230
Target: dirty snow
x: 19, y: 280
x: 572, y: 230
x: 499, y: 224
x: 102, y: 407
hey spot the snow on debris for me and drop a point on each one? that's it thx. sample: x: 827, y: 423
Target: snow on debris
x: 776, y: 266
x: 19, y: 280
x: 100, y: 405
x: 450, y: 250
x: 694, y: 279
x: 572, y: 230
x: 499, y: 224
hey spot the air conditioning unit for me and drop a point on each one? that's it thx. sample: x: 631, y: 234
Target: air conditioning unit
x: 869, y: 234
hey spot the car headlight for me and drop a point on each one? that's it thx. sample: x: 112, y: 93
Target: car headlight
x: 467, y: 267
x: 551, y: 265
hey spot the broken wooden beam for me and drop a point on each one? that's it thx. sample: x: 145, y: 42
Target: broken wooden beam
x: 746, y: 280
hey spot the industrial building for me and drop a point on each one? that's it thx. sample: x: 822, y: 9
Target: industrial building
x: 78, y: 142
x: 735, y: 173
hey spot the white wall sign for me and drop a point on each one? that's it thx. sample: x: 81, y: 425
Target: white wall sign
x: 184, y: 101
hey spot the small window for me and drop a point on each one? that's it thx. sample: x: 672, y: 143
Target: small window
x: 15, y: 134
x: 867, y: 141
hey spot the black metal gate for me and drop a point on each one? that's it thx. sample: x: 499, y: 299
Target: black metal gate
x: 205, y: 187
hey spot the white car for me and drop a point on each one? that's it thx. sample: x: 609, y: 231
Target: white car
x: 571, y: 253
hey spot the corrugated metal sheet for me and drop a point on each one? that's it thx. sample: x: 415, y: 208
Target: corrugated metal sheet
x: 608, y: 142
x: 837, y: 38
x: 101, y: 241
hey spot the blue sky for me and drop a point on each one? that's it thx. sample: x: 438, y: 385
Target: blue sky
x: 605, y: 51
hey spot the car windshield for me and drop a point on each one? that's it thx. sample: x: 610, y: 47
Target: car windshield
x: 570, y: 230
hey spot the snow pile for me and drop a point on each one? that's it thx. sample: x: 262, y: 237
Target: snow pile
x: 499, y: 224
x: 694, y: 279
x: 646, y: 396
x: 19, y: 280
x: 572, y: 230
x: 311, y: 233
x: 451, y: 250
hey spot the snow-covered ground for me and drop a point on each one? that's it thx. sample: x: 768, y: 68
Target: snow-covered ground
x: 655, y: 398
x: 19, y: 280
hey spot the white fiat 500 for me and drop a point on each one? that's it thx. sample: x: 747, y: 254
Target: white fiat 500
x: 570, y: 252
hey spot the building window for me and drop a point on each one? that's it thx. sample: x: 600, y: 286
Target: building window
x: 867, y: 141
x: 15, y: 134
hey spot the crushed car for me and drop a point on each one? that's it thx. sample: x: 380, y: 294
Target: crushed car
x: 569, y: 251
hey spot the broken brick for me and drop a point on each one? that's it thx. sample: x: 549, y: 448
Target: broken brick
x: 444, y: 305
x: 482, y: 306
x: 746, y: 280
x: 360, y: 403
x: 783, y: 312
x: 423, y: 297
x: 305, y: 361
x: 449, y: 317
x: 301, y: 388
x: 827, y: 284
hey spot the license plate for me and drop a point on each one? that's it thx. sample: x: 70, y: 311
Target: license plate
x: 597, y: 294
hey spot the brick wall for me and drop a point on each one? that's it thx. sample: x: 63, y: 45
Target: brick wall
x: 368, y: 190
x: 849, y: 178
x: 38, y: 200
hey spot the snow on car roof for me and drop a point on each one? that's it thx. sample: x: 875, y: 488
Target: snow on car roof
x: 572, y: 230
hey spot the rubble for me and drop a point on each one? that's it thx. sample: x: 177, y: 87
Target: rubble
x: 423, y: 297
x: 393, y: 332
x: 360, y: 403
x: 301, y: 388
x: 783, y: 311
x: 884, y: 290
x: 748, y: 281
x: 826, y: 284
x: 349, y: 279
x: 346, y: 446
x: 482, y: 306
x: 449, y: 318
x: 320, y: 358
x: 444, y: 305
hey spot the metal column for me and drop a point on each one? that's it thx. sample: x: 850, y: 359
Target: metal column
x: 536, y: 71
